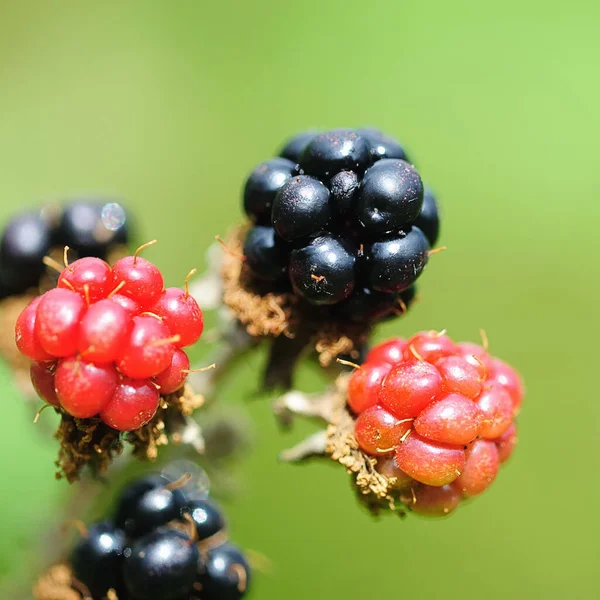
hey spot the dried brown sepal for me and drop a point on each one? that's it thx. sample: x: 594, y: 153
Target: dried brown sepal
x: 374, y: 490
x: 92, y: 444
x: 268, y: 314
x: 58, y: 583
x: 85, y: 443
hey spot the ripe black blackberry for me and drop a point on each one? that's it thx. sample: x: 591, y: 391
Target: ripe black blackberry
x: 82, y: 228
x: 161, y: 545
x: 30, y: 236
x: 345, y: 218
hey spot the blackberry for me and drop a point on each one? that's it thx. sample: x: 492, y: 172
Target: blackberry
x: 391, y: 196
x: 226, y: 574
x: 25, y: 242
x: 146, y: 504
x: 394, y: 263
x: 293, y: 148
x: 206, y: 516
x: 301, y: 208
x: 264, y: 255
x: 343, y: 228
x: 428, y: 220
x: 262, y: 186
x: 382, y: 146
x: 335, y: 151
x: 96, y: 559
x: 162, y: 565
x: 323, y: 271
x: 81, y: 228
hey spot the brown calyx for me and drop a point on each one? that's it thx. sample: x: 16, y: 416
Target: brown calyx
x: 58, y: 583
x: 268, y: 314
x: 375, y: 490
x: 91, y: 443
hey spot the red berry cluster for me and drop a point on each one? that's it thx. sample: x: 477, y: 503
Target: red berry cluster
x: 438, y: 415
x: 108, y: 341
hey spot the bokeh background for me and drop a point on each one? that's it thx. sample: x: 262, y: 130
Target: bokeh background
x: 170, y: 104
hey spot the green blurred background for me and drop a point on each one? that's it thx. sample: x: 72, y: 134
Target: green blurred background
x: 170, y: 104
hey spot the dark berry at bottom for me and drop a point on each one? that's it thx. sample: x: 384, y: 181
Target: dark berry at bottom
x: 323, y: 272
x: 226, y: 575
x: 147, y: 504
x: 396, y: 262
x: 206, y: 516
x: 161, y: 566
x: 96, y: 559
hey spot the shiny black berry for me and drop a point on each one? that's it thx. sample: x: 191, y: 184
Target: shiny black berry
x: 368, y: 306
x: 428, y: 220
x: 323, y: 271
x: 294, y: 147
x: 394, y: 263
x: 263, y: 184
x: 266, y: 257
x: 146, y: 504
x: 81, y: 229
x: 344, y: 188
x: 335, y: 151
x: 25, y: 242
x: 301, y: 208
x: 162, y: 565
x: 226, y: 574
x: 97, y: 559
x: 391, y: 196
x: 382, y: 146
x: 206, y: 516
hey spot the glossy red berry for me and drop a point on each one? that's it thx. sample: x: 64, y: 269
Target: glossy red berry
x: 409, y: 387
x: 83, y: 388
x: 26, y: 338
x: 364, y: 384
x: 390, y: 352
x: 149, y: 349
x: 57, y: 321
x: 181, y: 314
x: 476, y: 356
x: 454, y: 405
x: 133, y: 404
x: 497, y: 408
x: 430, y: 346
x: 90, y: 277
x: 143, y: 280
x: 480, y: 469
x: 459, y: 376
x: 431, y: 501
x: 506, y: 443
x: 378, y: 432
x: 174, y: 376
x: 129, y: 304
x: 42, y: 378
x: 103, y: 331
x: 429, y: 462
x: 507, y: 377
x: 452, y: 420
